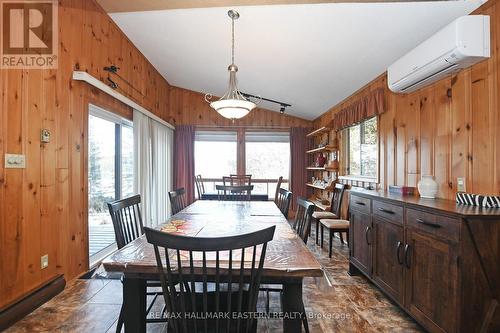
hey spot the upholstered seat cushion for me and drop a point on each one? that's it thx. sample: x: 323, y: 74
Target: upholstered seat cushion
x: 335, y: 223
x: 324, y: 215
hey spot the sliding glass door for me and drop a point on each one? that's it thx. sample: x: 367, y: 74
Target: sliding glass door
x: 110, y: 175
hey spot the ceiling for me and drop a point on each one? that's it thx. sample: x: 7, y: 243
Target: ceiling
x: 309, y: 55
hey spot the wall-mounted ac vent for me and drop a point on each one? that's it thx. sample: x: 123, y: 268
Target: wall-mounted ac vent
x: 459, y: 45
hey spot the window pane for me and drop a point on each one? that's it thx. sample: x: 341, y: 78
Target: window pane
x: 101, y: 181
x: 369, y: 148
x: 127, y: 145
x: 354, y: 150
x: 215, y: 154
x: 363, y: 148
x: 267, y: 157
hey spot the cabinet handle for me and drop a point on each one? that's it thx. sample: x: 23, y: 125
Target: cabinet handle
x: 398, y: 250
x: 366, y: 235
x: 407, y: 259
x: 361, y: 203
x: 383, y: 210
x: 429, y: 224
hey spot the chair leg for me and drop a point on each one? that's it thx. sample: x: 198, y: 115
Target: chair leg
x: 341, y: 237
x: 321, y: 235
x: 330, y: 244
x: 317, y: 230
x: 119, y: 324
x: 347, y: 234
x: 305, y: 323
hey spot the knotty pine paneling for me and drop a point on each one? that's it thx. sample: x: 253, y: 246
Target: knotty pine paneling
x: 448, y: 129
x: 43, y: 208
x: 189, y: 107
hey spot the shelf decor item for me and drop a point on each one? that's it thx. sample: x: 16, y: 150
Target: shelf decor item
x: 427, y: 187
x: 320, y: 160
x: 403, y: 190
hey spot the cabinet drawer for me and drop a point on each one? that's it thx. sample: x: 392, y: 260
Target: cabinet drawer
x: 388, y: 211
x: 360, y: 204
x: 434, y: 224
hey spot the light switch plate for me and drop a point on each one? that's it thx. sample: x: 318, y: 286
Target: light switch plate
x: 14, y: 161
x: 461, y: 185
x: 44, y: 261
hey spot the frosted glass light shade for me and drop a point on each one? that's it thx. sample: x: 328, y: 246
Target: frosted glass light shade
x: 233, y: 108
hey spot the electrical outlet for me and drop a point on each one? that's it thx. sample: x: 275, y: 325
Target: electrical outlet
x: 13, y: 161
x: 461, y: 185
x: 44, y: 261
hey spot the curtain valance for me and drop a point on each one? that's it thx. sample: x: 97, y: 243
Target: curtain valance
x: 364, y: 108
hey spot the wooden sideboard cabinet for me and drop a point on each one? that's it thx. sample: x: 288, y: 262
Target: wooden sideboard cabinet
x: 438, y: 260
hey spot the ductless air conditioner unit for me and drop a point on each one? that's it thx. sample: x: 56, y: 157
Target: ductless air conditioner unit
x: 459, y: 45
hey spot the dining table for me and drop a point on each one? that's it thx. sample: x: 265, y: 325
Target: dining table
x: 288, y: 261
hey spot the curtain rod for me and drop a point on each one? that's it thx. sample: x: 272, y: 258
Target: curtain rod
x: 86, y: 77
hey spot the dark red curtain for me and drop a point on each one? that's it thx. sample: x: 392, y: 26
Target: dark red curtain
x: 184, y: 160
x: 299, y: 144
x: 364, y: 108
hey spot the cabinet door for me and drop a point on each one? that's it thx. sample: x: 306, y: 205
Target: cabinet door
x: 431, y: 280
x: 360, y: 243
x: 388, y: 250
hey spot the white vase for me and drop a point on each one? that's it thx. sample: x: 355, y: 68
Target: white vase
x: 427, y: 187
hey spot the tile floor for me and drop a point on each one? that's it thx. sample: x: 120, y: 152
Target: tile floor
x: 349, y: 304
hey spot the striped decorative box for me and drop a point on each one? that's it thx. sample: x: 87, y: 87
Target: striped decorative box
x: 478, y: 200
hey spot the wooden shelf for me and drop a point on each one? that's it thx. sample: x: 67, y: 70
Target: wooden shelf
x: 316, y: 168
x: 319, y: 131
x: 327, y: 188
x: 318, y: 204
x: 320, y: 149
x: 330, y: 168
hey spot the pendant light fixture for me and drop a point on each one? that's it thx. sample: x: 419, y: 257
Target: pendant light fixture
x: 233, y: 104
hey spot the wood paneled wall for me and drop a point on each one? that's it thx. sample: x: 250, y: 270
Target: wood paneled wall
x: 448, y: 129
x: 190, y: 107
x: 43, y: 208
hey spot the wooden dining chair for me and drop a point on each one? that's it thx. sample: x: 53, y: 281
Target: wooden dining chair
x: 127, y: 219
x: 177, y: 200
x: 234, y: 192
x: 224, y: 281
x: 303, y: 218
x: 238, y: 180
x: 128, y: 226
x: 335, y: 207
x: 200, y: 187
x: 278, y: 187
x: 283, y: 201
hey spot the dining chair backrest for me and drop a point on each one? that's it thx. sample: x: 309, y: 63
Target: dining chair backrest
x: 200, y: 187
x: 237, y: 180
x: 177, y: 200
x: 278, y: 187
x: 127, y: 219
x: 338, y: 195
x: 206, y: 281
x: 303, y: 217
x: 234, y: 192
x: 284, y: 200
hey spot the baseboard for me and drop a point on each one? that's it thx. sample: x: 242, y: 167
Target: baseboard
x: 20, y: 309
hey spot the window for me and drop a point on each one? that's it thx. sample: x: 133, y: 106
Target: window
x: 267, y: 158
x: 215, y: 154
x: 361, y: 148
x: 264, y: 155
x: 110, y: 174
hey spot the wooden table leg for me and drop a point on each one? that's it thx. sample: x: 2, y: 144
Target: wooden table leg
x: 292, y: 306
x: 134, y: 300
